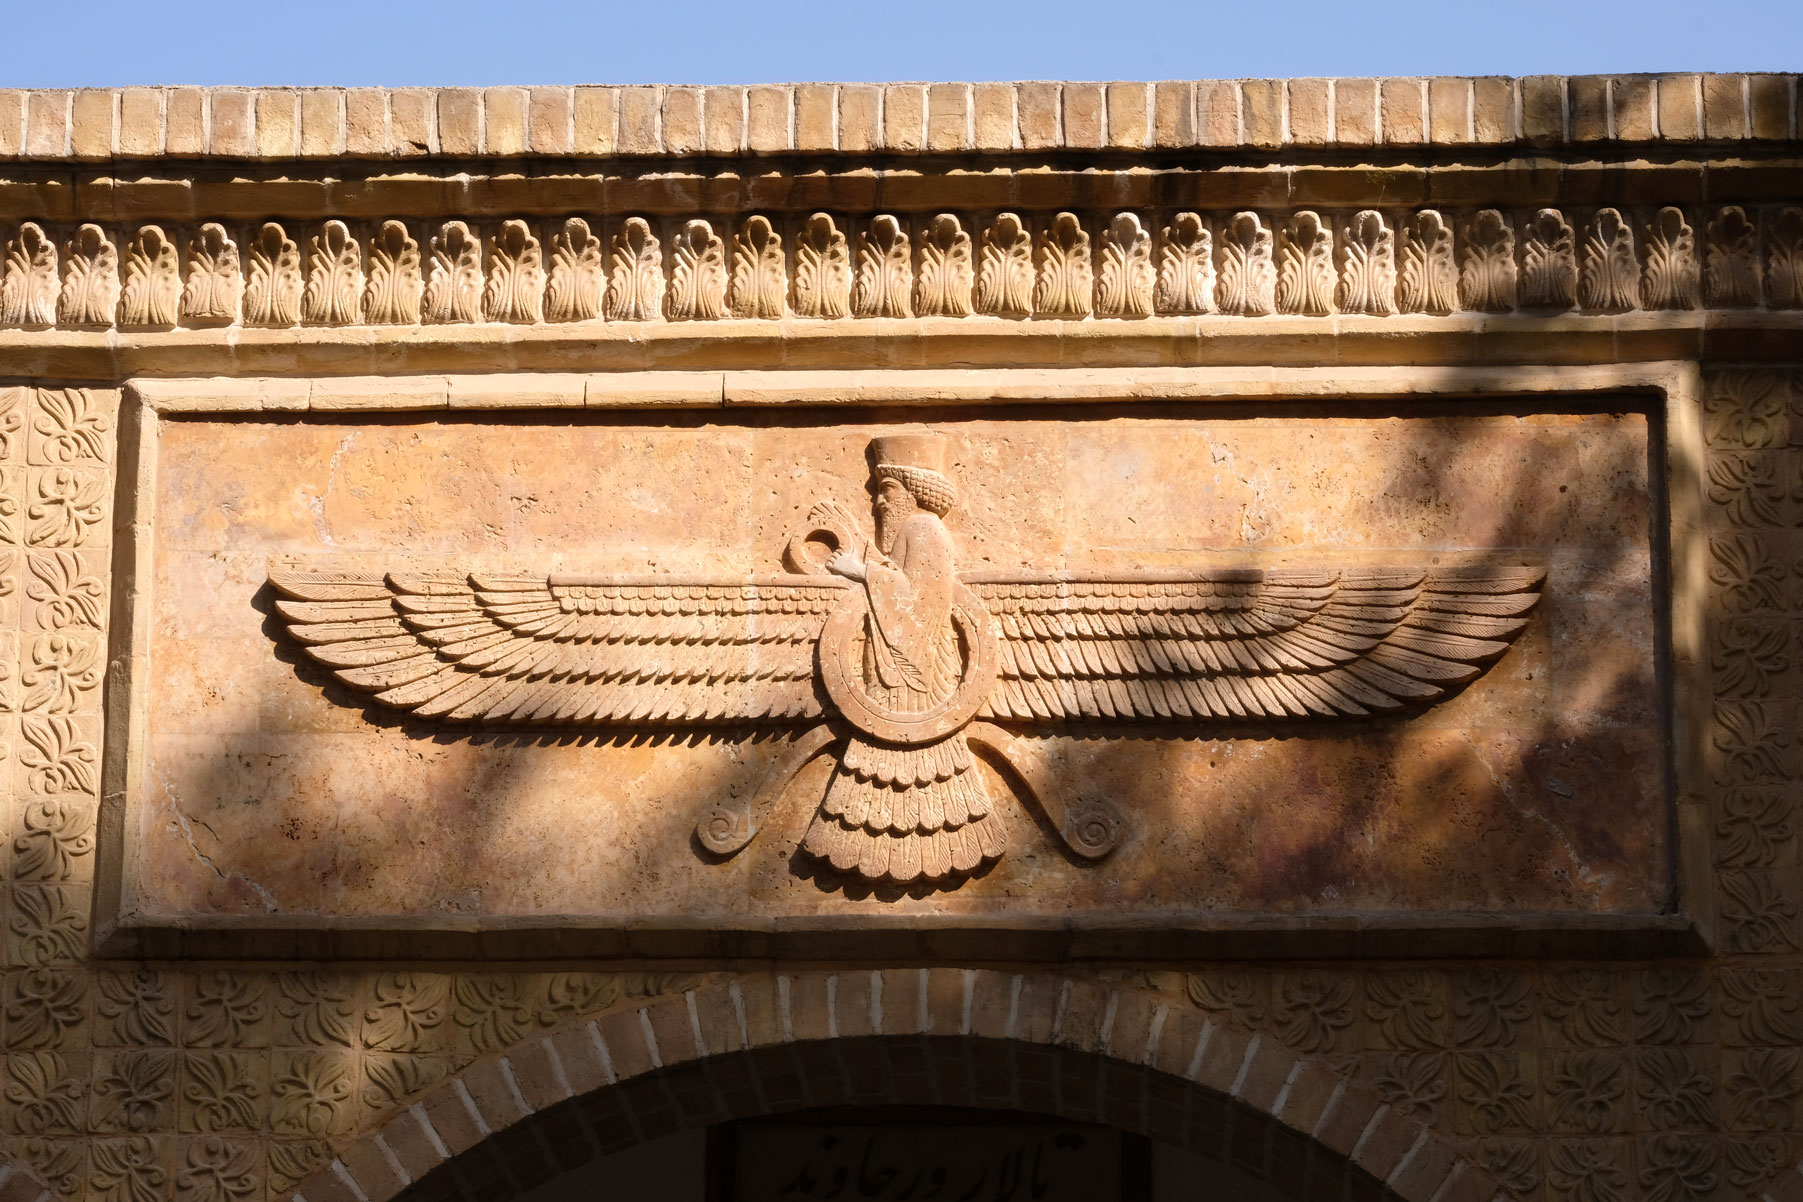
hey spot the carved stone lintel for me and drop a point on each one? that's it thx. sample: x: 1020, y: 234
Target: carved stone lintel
x: 1487, y: 274
x: 1126, y: 280
x: 90, y: 291
x: 333, y: 295
x: 214, y: 286
x: 1610, y: 277
x: 635, y: 278
x: 1784, y: 260
x: 1549, y: 262
x: 1668, y: 279
x: 1368, y: 264
x: 1428, y: 279
x: 1731, y: 260
x: 392, y: 295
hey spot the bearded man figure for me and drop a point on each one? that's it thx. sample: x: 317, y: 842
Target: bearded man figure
x: 904, y: 812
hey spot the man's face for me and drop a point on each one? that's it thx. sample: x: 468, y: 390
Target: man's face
x: 893, y: 503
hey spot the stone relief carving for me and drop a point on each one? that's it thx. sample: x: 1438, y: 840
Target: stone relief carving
x: 574, y: 289
x: 1549, y: 262
x: 1064, y: 287
x: 822, y: 286
x: 1248, y: 280
x: 1305, y: 275
x: 152, y: 293
x: 392, y: 293
x: 698, y: 276
x: 1784, y: 261
x: 1487, y: 273
x: 1669, y: 277
x: 453, y: 291
x: 210, y: 297
x: 759, y: 284
x: 1731, y: 260
x: 943, y: 283
x: 1610, y: 278
x: 1126, y: 281
x: 1186, y: 268
x: 1005, y: 279
x: 881, y: 652
x: 884, y: 281
x: 635, y: 278
x: 1428, y: 281
x: 90, y: 292
x: 1368, y: 266
x: 515, y: 288
x: 28, y: 288
x: 272, y: 285
x: 334, y: 288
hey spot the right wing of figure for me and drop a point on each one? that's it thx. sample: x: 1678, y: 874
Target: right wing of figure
x: 568, y: 649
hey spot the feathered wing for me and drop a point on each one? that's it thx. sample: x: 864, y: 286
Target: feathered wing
x: 531, y: 650
x: 1246, y: 644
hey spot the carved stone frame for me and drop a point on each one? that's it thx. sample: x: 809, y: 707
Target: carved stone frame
x: 1672, y: 387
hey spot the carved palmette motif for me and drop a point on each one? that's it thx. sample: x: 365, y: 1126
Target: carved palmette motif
x: 1186, y: 268
x: 515, y: 288
x: 1487, y: 272
x: 697, y: 274
x: 453, y: 291
x: 1428, y: 279
x: 1247, y: 285
x: 884, y: 280
x: 1668, y: 279
x: 28, y: 287
x: 272, y: 284
x: 942, y: 286
x: 635, y: 278
x: 334, y: 291
x: 759, y: 284
x: 210, y: 297
x: 1368, y: 266
x: 822, y: 285
x: 1610, y: 278
x: 151, y: 297
x: 1005, y: 276
x: 1066, y: 282
x: 1784, y: 261
x: 392, y: 294
x: 574, y: 290
x: 1730, y: 260
x: 1549, y: 262
x: 90, y: 291
x: 1126, y: 281
x: 1305, y: 275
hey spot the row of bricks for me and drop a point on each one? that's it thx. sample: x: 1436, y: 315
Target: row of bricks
x: 282, y: 123
x: 1128, y: 1028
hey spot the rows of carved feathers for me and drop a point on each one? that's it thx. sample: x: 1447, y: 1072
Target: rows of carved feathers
x: 514, y: 649
x: 1295, y: 645
x: 1061, y: 265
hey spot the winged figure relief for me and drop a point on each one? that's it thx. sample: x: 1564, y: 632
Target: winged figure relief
x: 877, y: 650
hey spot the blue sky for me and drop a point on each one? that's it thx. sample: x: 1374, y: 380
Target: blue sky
x: 463, y: 42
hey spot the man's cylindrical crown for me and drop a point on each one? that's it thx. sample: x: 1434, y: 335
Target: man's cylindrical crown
x: 924, y: 451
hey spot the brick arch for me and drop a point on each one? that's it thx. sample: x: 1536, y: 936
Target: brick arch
x: 1082, y: 1050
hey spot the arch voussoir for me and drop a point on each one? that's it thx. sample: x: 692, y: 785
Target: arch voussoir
x: 1084, y: 1050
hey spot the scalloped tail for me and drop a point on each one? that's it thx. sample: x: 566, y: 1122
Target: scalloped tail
x: 923, y: 814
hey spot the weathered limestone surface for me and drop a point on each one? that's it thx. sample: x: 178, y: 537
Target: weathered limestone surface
x: 266, y: 938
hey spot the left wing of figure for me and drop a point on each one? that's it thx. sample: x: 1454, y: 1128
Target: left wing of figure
x: 1246, y: 644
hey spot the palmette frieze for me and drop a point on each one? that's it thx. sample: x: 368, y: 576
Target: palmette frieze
x: 1120, y: 265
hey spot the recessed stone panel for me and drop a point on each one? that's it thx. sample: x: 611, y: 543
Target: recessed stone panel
x: 275, y: 794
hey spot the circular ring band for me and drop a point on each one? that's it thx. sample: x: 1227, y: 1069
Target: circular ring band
x: 842, y: 671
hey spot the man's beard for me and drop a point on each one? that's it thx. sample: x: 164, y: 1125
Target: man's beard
x: 889, y: 517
